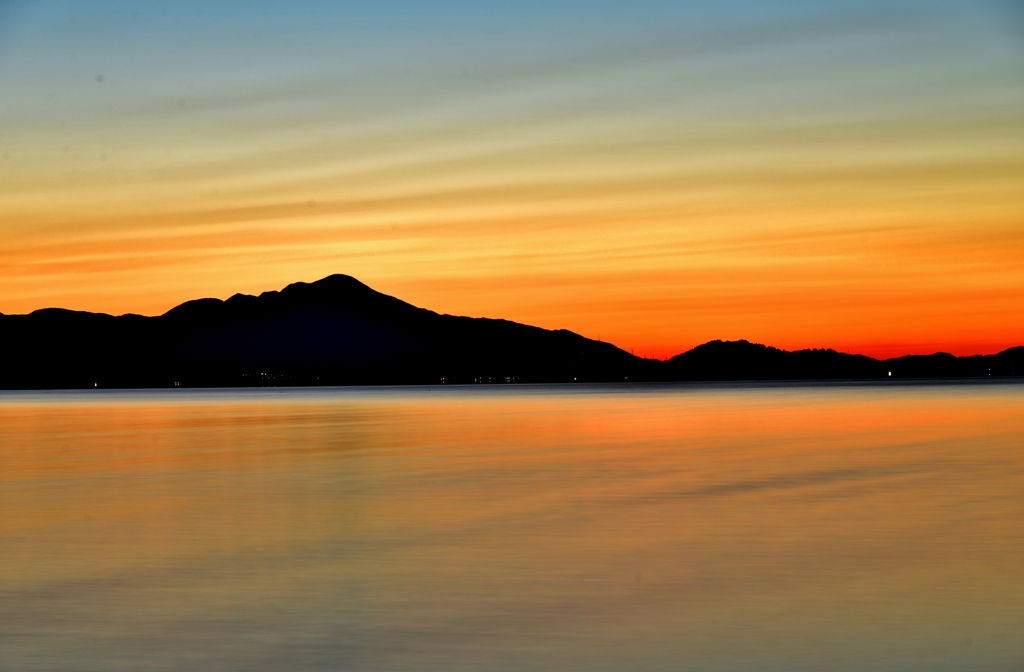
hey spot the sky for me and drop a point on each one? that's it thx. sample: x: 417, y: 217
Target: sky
x: 654, y: 174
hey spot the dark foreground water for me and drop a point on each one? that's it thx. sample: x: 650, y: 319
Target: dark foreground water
x: 514, y: 528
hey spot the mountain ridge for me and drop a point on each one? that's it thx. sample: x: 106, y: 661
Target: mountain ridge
x: 338, y: 330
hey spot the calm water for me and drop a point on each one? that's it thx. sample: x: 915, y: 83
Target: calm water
x: 514, y: 528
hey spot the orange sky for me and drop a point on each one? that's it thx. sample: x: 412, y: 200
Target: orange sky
x: 797, y: 180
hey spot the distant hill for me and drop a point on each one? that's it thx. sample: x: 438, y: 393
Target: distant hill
x: 741, y: 360
x: 339, y: 331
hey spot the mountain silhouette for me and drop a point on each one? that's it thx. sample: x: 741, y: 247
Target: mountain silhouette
x: 339, y: 331
x: 742, y: 360
x: 333, y: 331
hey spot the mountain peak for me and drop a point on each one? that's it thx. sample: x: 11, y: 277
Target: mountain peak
x: 335, y: 291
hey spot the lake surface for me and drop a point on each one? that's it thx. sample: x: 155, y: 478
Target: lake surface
x: 715, y: 527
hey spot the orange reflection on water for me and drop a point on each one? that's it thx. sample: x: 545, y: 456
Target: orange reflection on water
x: 509, y: 528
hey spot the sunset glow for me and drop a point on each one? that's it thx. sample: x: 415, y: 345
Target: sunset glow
x: 654, y: 175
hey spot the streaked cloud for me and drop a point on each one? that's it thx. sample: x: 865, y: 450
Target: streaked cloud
x: 659, y: 174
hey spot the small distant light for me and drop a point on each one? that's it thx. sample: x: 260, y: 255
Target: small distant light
x: 890, y: 374
x: 95, y: 384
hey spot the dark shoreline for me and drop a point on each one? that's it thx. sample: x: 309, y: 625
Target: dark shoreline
x: 22, y: 394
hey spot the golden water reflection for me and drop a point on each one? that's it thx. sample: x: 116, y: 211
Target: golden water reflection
x: 561, y: 528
